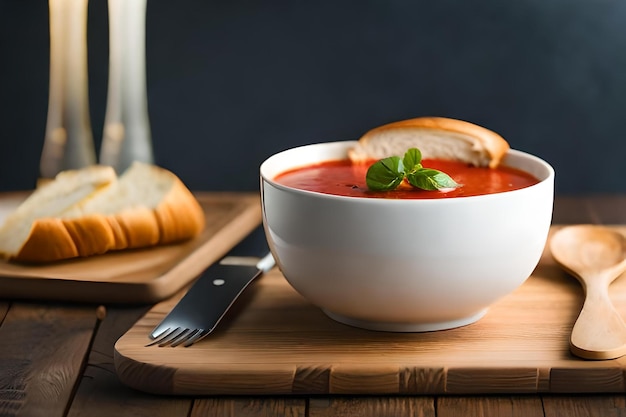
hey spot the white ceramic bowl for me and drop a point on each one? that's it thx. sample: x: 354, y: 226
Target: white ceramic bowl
x: 404, y: 265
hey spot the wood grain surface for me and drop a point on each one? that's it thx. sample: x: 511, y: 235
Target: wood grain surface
x: 277, y: 343
x: 83, y: 381
x: 42, y: 352
x: 134, y: 276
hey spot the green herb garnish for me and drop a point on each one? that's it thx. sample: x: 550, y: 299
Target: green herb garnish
x: 388, y: 173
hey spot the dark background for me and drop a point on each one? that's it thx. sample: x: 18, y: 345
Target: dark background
x: 231, y: 82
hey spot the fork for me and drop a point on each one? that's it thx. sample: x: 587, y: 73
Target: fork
x: 197, y: 314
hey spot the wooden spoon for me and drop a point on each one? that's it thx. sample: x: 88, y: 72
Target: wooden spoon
x: 596, y: 256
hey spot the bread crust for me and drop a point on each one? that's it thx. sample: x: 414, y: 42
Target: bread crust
x: 177, y: 217
x: 49, y: 240
x: 495, y: 145
x: 140, y: 227
x: 91, y: 234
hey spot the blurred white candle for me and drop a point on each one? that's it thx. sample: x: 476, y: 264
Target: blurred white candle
x: 126, y: 135
x: 68, y: 142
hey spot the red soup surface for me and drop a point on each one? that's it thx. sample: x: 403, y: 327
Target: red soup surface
x: 343, y: 178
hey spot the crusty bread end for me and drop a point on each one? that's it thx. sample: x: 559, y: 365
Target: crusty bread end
x: 436, y: 138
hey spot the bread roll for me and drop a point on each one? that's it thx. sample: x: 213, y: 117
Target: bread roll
x: 146, y: 206
x: 436, y: 138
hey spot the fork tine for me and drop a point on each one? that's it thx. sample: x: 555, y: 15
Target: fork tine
x: 162, y: 335
x: 174, y: 341
x: 186, y: 336
x: 167, y: 336
x: 173, y: 337
x: 196, y: 337
x: 160, y: 331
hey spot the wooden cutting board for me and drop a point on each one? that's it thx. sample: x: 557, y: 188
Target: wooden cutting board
x: 134, y: 276
x: 277, y: 343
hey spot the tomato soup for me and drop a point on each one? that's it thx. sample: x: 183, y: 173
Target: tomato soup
x: 343, y: 178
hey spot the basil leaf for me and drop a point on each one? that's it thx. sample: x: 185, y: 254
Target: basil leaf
x: 385, y: 174
x: 412, y: 160
x: 388, y: 174
x: 430, y: 179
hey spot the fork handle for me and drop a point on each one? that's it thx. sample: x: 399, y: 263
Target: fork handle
x: 209, y: 298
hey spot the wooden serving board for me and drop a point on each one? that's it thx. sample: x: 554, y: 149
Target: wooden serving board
x: 277, y: 343
x: 134, y: 276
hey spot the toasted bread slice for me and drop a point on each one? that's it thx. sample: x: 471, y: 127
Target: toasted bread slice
x: 146, y: 206
x: 436, y: 138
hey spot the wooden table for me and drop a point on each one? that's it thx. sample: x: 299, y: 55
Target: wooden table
x: 56, y: 359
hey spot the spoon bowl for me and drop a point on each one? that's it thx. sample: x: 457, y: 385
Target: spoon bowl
x: 596, y: 256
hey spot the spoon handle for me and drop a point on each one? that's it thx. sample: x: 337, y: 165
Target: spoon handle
x: 599, y: 332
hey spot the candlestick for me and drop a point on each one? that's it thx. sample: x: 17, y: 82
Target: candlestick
x: 127, y: 135
x: 68, y: 142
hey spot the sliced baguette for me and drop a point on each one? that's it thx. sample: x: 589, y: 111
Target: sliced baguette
x: 146, y: 206
x: 436, y: 138
x: 51, y: 199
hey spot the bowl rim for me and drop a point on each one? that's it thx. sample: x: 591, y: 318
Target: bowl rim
x: 548, y: 180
